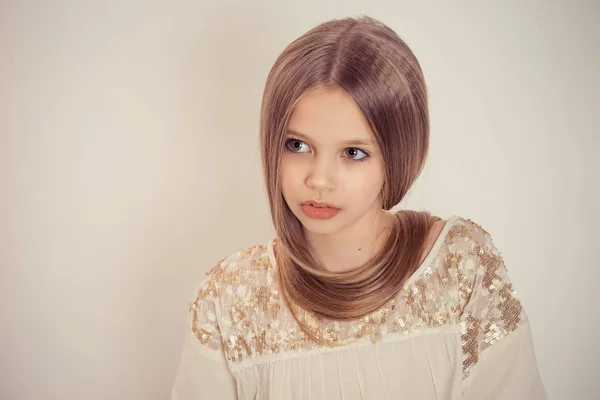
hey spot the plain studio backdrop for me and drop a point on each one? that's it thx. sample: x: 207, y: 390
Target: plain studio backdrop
x: 130, y: 165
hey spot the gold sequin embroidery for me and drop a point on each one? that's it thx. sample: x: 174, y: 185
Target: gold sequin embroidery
x: 220, y: 276
x: 497, y: 310
x: 475, y: 224
x: 296, y: 340
x: 247, y: 252
x: 265, y: 298
x: 469, y: 329
x: 457, y: 231
x: 267, y: 340
x: 262, y: 264
x: 236, y: 348
x: 202, y: 335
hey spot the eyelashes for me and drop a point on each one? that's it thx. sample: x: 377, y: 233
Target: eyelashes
x: 294, y: 145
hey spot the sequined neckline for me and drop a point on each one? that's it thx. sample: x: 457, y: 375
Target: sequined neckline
x: 420, y: 269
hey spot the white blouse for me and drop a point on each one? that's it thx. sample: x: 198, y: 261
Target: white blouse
x: 456, y: 330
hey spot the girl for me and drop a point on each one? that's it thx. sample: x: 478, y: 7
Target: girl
x: 350, y: 300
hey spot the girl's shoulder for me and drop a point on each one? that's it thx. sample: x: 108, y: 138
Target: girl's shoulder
x: 238, y: 274
x: 237, y: 283
x: 456, y: 233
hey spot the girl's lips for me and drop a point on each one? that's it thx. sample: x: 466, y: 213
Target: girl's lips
x: 318, y: 204
x: 319, y: 213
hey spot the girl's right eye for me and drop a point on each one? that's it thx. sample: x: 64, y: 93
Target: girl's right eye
x: 295, y: 145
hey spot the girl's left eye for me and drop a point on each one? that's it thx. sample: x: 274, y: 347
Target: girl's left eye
x: 355, y: 154
x: 295, y: 145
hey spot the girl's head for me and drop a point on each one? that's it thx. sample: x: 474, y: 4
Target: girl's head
x: 344, y: 120
x: 344, y: 80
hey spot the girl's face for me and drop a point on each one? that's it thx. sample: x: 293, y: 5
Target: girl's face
x: 331, y: 156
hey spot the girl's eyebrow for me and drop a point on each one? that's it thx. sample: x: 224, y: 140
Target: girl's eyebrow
x: 362, y: 142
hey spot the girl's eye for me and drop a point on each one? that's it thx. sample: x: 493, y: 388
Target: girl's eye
x: 355, y: 154
x: 295, y: 145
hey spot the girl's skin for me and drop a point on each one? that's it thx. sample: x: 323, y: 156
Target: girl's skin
x: 331, y: 156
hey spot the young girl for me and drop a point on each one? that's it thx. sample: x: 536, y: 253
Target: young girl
x: 349, y: 300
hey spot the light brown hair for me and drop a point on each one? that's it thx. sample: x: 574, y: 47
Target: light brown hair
x: 378, y: 70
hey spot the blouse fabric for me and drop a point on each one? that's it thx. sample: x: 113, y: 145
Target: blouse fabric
x: 456, y: 330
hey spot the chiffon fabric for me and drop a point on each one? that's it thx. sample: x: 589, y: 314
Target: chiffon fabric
x: 456, y: 330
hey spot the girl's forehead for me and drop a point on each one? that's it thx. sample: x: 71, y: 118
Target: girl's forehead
x: 326, y: 115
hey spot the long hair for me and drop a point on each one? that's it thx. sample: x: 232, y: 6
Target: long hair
x: 377, y: 69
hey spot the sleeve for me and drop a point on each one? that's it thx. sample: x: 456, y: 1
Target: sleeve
x: 203, y: 372
x: 498, y: 354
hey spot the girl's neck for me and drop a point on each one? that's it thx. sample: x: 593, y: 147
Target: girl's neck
x: 354, y: 246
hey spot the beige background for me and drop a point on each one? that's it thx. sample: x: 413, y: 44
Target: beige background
x: 130, y: 165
